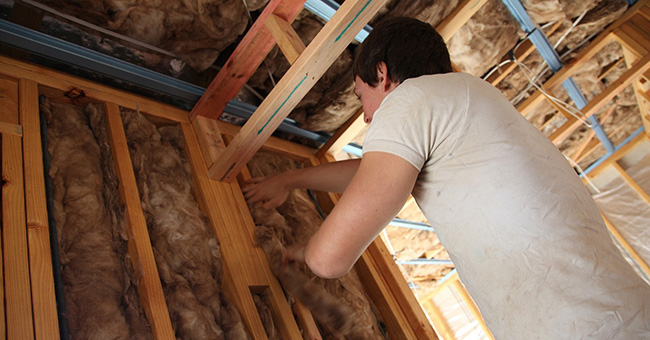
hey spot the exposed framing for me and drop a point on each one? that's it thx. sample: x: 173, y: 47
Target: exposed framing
x: 246, y: 266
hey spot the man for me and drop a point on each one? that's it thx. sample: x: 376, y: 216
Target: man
x: 527, y: 240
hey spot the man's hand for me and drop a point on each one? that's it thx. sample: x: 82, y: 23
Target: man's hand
x: 271, y: 191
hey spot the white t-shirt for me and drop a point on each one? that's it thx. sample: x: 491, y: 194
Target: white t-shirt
x: 526, y: 237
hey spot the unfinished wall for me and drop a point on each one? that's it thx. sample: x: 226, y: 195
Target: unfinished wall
x: 186, y: 250
x: 340, y: 306
x: 101, y: 299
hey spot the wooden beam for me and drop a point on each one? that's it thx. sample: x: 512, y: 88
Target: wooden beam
x: 472, y: 307
x: 628, y: 248
x: 458, y: 17
x: 618, y: 154
x: 139, y: 244
x: 46, y: 322
x: 343, y: 135
x: 17, y: 293
x: 246, y: 58
x: 247, y: 265
x: 49, y: 78
x: 631, y: 182
x: 602, y: 98
x: 288, y: 40
x: 284, y: 147
x: 299, y: 79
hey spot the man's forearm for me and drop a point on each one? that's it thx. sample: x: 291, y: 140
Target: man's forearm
x: 330, y: 177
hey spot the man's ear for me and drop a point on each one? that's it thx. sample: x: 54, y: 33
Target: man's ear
x: 382, y: 75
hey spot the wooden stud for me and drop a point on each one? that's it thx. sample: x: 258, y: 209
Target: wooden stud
x: 247, y: 265
x: 18, y: 300
x: 328, y: 44
x: 288, y: 40
x: 46, y: 322
x: 602, y: 98
x: 472, y: 307
x: 458, y: 17
x: 139, y: 244
x: 631, y: 182
x: 246, y: 58
x: 306, y: 321
x: 628, y: 248
x: 343, y: 135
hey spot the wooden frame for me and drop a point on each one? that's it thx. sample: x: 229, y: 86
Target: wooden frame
x: 246, y: 266
x: 629, y: 31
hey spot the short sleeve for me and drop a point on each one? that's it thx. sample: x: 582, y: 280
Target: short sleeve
x: 399, y: 127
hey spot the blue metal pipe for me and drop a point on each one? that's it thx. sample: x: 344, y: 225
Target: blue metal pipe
x: 425, y: 261
x: 539, y: 39
x: 398, y: 222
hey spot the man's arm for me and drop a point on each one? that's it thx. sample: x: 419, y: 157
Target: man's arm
x: 273, y: 190
x: 373, y: 197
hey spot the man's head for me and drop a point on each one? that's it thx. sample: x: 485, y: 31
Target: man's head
x: 409, y: 47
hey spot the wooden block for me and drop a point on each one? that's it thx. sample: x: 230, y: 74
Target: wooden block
x: 140, y: 251
x: 246, y: 58
x: 343, y: 135
x: 11, y: 129
x: 328, y: 44
x: 46, y: 322
x: 210, y: 141
x: 458, y: 17
x: 288, y: 40
x: 18, y: 300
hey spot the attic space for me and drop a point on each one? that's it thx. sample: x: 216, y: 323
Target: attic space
x: 129, y: 128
